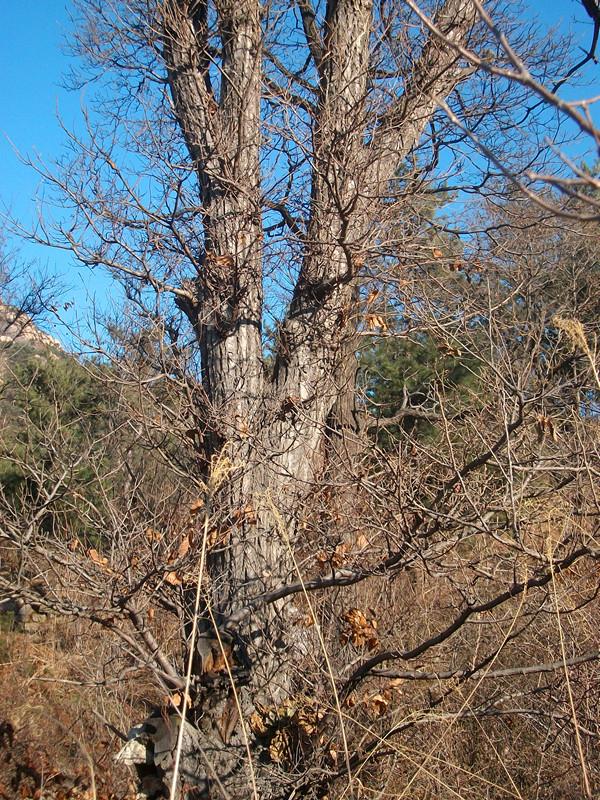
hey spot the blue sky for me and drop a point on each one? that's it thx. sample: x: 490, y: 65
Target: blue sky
x: 32, y: 65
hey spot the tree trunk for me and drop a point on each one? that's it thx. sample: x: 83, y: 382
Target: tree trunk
x: 274, y: 437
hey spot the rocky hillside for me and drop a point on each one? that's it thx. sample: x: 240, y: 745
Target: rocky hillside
x: 17, y: 327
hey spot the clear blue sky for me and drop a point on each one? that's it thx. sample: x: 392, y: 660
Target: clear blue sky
x: 32, y: 64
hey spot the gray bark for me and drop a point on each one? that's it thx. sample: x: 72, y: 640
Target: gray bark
x: 279, y: 430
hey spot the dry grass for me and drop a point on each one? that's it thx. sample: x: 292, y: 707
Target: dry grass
x: 53, y: 698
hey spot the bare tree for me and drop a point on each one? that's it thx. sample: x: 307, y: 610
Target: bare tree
x: 282, y: 149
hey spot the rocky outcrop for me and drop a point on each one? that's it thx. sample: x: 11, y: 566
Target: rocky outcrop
x: 17, y: 327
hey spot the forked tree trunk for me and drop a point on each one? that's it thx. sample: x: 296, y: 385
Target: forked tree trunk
x: 274, y: 433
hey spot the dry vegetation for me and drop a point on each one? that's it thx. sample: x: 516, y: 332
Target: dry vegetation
x: 317, y: 514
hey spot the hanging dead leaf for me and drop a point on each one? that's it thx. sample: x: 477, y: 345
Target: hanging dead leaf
x: 437, y: 253
x: 97, y: 558
x: 308, y: 716
x: 216, y: 536
x: 372, y: 296
x: 224, y: 262
x: 173, y: 578
x: 545, y: 427
x: 245, y: 514
x: 287, y: 709
x: 184, y: 547
x: 360, y: 631
x: 374, y: 321
x: 361, y: 542
x: 197, y: 506
x: 449, y: 350
x: 73, y: 545
x: 153, y: 535
x: 340, y: 554
x: 222, y: 659
x: 229, y: 718
x: 355, y: 618
x: 307, y: 722
x: 284, y: 723
x: 333, y: 559
x: 151, y: 613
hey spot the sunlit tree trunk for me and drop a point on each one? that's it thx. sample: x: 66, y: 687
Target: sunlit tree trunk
x: 273, y: 434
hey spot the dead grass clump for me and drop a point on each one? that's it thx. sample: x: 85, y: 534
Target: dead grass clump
x: 53, y: 706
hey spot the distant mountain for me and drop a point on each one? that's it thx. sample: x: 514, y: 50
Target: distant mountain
x: 17, y: 327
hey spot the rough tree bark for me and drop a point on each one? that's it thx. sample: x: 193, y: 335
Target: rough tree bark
x: 277, y: 426
x: 271, y: 434
x: 274, y: 429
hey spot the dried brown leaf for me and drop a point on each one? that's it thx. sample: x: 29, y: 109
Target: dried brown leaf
x: 258, y: 724
x: 197, y: 506
x: 377, y: 704
x: 97, y: 558
x: 360, y: 631
x: 153, y: 535
x: 184, y: 547
x: 228, y: 721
